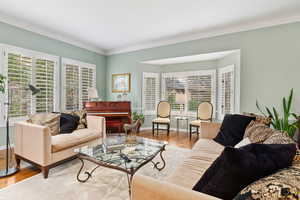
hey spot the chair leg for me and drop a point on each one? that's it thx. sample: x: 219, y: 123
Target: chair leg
x: 168, y: 129
x: 191, y: 131
x: 157, y: 127
x: 197, y: 131
x: 153, y: 128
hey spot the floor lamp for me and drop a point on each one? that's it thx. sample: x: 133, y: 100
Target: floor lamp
x: 10, y: 170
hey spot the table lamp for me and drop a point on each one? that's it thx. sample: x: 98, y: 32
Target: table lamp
x: 93, y: 94
x: 180, y: 99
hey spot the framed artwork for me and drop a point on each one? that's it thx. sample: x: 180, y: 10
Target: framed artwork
x: 121, y: 83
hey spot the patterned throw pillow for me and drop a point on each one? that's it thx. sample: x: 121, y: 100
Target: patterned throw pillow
x: 258, y: 132
x: 259, y: 118
x: 82, y: 118
x: 279, y: 138
x: 283, y: 185
x: 50, y: 120
x: 297, y: 158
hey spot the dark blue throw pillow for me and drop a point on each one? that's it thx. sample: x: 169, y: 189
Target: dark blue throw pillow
x: 236, y: 168
x: 232, y: 129
x: 68, y: 123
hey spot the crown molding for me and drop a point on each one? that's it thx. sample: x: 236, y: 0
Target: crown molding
x: 154, y: 43
x: 52, y: 35
x: 208, y: 34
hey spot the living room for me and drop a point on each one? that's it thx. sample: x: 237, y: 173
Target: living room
x: 149, y: 100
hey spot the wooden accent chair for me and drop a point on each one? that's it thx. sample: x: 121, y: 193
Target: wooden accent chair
x: 163, y: 116
x: 204, y: 113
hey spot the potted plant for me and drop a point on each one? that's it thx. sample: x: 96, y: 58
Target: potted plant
x: 141, y: 117
x: 288, y: 121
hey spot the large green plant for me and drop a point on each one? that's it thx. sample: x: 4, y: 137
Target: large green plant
x: 2, y: 83
x: 288, y: 121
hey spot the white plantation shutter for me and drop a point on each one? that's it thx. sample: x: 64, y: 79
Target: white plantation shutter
x: 201, y: 88
x: 87, y: 81
x: 45, y: 81
x: 150, y: 93
x: 19, y: 75
x: 226, y: 91
x: 71, y: 87
x: 77, y: 78
x: 197, y: 86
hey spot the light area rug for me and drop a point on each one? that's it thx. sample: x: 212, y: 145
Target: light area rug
x: 106, y: 184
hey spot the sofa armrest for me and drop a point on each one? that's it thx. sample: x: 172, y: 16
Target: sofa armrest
x: 147, y: 188
x: 97, y: 123
x: 33, y: 142
x: 209, y: 130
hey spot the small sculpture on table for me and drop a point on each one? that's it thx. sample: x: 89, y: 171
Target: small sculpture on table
x: 128, y: 128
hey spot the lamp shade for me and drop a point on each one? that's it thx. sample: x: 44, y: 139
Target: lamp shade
x: 93, y: 93
x: 180, y: 98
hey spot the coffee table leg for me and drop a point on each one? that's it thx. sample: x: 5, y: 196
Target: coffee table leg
x: 129, y: 179
x: 88, y: 174
x: 157, y: 163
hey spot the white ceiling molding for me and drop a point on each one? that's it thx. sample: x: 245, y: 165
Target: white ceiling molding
x: 155, y: 43
x: 192, y: 58
x: 201, y: 35
x: 52, y: 35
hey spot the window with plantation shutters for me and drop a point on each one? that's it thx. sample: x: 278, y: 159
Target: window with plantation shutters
x: 226, y: 91
x: 200, y: 89
x: 23, y: 67
x: 45, y: 81
x: 72, y: 87
x: 19, y: 75
x: 87, y: 81
x: 150, y: 92
x: 194, y: 86
x: 77, y: 77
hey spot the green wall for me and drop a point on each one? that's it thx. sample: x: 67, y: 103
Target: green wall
x: 12, y: 35
x: 270, y: 64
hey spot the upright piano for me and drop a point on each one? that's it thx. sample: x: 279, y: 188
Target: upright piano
x: 116, y: 113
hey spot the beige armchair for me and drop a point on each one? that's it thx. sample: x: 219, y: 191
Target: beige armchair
x: 35, y: 144
x: 163, y: 116
x: 204, y: 113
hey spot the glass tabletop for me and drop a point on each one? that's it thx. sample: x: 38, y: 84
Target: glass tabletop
x: 126, y: 152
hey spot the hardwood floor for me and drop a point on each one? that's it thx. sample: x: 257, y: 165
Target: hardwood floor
x: 180, y: 139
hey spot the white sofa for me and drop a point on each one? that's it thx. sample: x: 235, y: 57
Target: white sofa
x: 35, y: 144
x: 178, y: 186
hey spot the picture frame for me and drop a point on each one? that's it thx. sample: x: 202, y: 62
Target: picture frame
x: 121, y: 83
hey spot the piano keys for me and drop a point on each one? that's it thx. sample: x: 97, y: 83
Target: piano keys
x: 116, y: 113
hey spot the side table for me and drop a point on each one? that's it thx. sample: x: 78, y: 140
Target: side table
x: 182, y: 119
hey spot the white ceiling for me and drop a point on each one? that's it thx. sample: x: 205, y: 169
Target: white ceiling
x: 112, y: 26
x: 188, y: 59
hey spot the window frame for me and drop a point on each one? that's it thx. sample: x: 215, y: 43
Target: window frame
x: 221, y: 70
x: 211, y: 72
x: 155, y: 75
x: 80, y: 64
x: 5, y: 50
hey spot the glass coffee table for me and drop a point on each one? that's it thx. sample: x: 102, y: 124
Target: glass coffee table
x: 124, y: 153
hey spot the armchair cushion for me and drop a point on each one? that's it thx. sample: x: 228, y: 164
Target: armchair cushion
x: 65, y: 141
x: 50, y: 120
x: 196, y: 123
x: 161, y: 120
